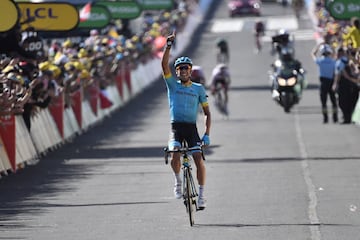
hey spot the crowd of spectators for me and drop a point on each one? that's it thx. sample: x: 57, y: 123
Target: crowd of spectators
x: 343, y: 38
x: 339, y: 33
x: 28, y: 85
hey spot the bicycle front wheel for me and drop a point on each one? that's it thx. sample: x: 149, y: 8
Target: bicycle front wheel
x: 188, y: 197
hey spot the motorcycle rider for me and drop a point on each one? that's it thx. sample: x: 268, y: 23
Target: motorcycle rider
x: 288, y: 62
x: 281, y: 40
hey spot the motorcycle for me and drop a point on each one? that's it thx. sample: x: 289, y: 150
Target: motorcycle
x: 287, y: 85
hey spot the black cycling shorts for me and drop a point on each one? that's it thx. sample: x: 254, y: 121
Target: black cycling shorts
x: 183, y: 131
x: 222, y: 82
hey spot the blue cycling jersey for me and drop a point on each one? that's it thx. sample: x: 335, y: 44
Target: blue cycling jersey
x: 184, y: 100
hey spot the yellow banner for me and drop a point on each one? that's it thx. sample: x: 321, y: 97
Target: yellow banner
x: 8, y: 15
x: 49, y: 16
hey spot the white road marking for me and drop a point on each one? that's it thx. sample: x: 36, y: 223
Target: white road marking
x: 227, y: 25
x: 312, y: 213
x: 299, y: 35
x: 272, y: 23
x: 285, y: 22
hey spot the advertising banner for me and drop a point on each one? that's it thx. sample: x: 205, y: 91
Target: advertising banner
x: 94, y: 98
x: 156, y: 4
x: 8, y: 135
x: 76, y: 105
x: 49, y: 16
x: 99, y: 18
x: 9, y: 15
x: 56, y: 109
x: 343, y: 9
x: 122, y: 10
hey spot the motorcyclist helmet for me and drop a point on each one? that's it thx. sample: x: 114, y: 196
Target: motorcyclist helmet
x: 283, y: 36
x: 283, y: 32
x: 325, y: 49
x: 183, y: 60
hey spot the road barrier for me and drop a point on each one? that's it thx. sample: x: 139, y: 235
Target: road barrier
x: 57, y: 124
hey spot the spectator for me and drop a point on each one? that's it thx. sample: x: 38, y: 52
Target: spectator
x: 346, y: 83
x: 353, y: 33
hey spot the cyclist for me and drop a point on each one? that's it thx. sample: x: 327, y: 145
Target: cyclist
x: 222, y: 55
x: 197, y: 75
x: 220, y: 76
x: 184, y: 98
x: 298, y: 6
x: 259, y: 31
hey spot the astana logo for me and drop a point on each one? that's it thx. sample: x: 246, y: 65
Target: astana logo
x: 339, y: 8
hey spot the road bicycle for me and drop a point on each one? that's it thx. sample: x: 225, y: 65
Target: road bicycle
x: 220, y: 99
x: 189, y: 188
x: 222, y: 57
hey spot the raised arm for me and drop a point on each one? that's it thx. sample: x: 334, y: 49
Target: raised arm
x: 165, y: 59
x: 315, y: 50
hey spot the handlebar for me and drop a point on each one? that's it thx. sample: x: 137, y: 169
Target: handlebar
x: 182, y: 150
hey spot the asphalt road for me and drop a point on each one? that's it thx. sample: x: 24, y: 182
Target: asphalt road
x: 270, y: 175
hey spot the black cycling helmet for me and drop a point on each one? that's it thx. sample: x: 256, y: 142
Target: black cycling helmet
x: 183, y: 60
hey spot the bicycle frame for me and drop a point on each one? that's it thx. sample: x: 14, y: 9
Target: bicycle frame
x: 189, y: 187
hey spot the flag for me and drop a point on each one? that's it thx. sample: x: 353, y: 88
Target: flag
x: 84, y: 12
x: 105, y: 102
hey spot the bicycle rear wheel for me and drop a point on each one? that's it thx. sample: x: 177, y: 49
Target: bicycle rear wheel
x: 188, y: 196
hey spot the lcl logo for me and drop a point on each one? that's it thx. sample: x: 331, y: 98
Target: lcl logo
x: 49, y: 16
x: 41, y: 12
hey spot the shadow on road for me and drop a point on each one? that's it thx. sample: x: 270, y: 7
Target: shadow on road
x: 238, y: 225
x: 266, y: 88
x: 284, y: 159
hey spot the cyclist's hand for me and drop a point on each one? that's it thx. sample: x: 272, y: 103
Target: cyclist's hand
x: 206, y: 140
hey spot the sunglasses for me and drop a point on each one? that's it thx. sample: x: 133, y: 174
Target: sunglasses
x: 185, y: 67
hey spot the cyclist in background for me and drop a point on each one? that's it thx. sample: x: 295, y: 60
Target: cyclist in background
x: 197, y: 75
x: 222, y: 54
x: 259, y: 31
x: 298, y: 6
x: 220, y: 77
x: 184, y: 98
